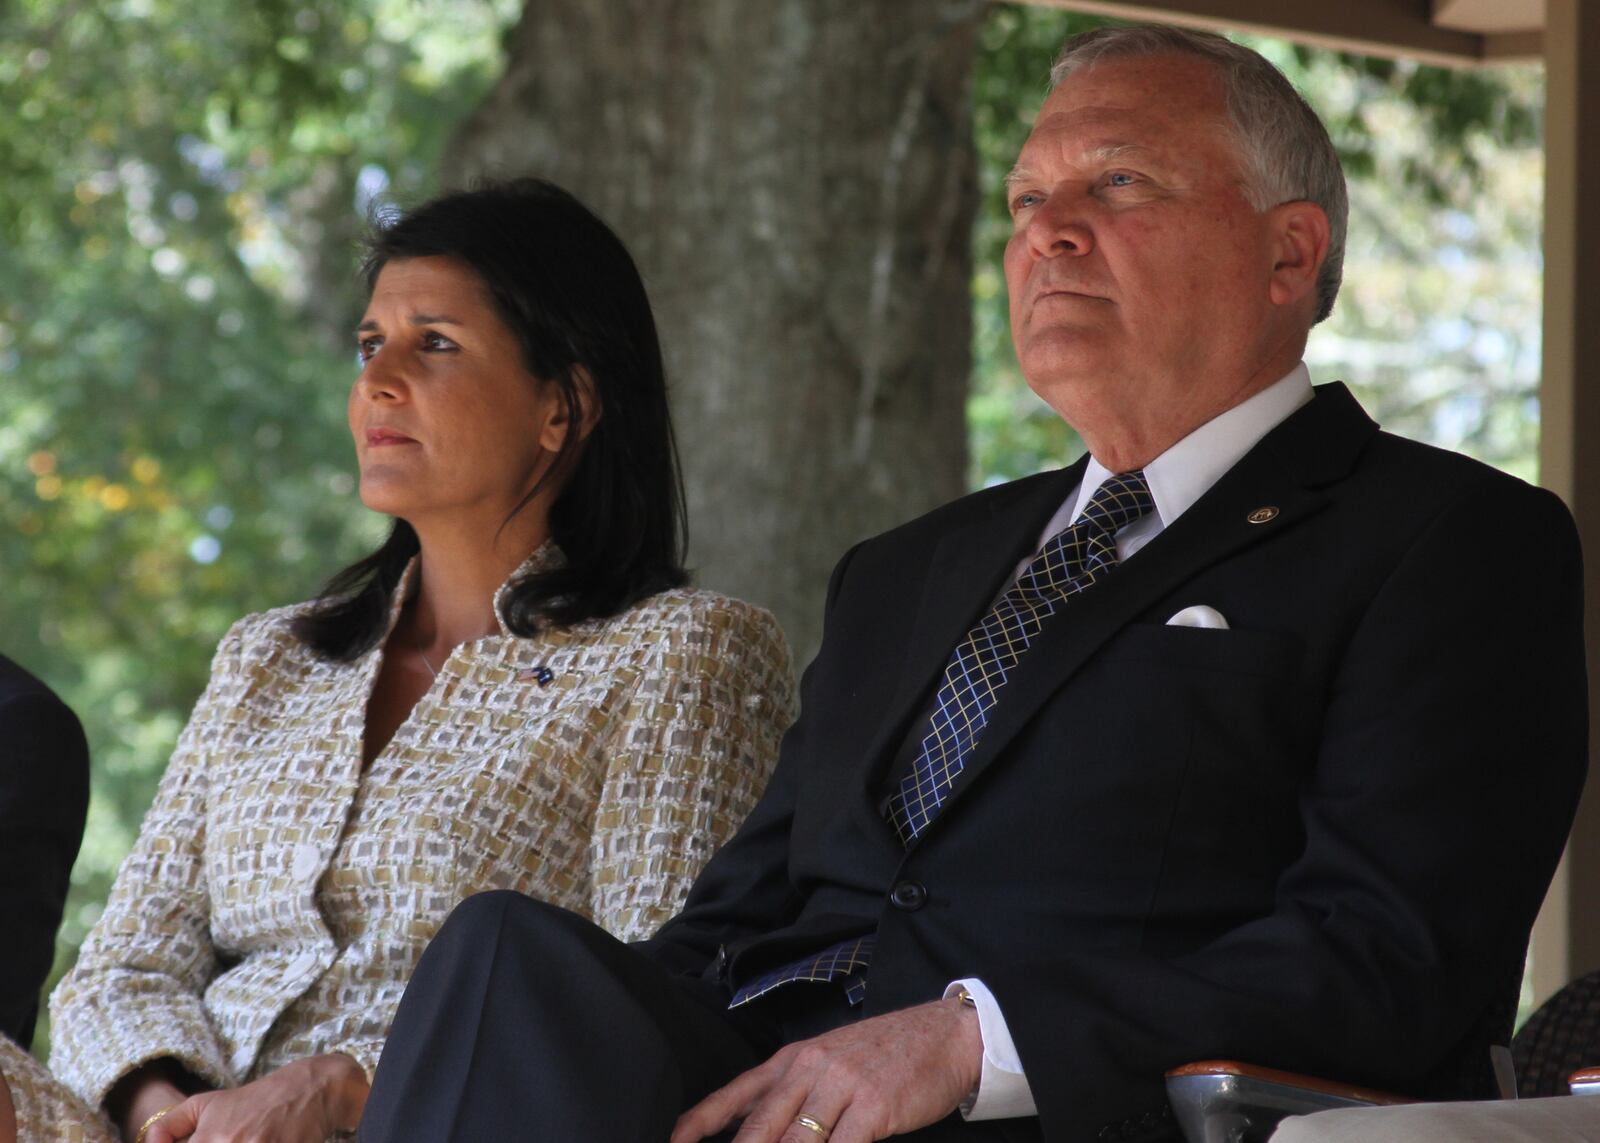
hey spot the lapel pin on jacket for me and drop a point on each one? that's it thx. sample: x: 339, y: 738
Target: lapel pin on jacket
x: 1263, y: 514
x: 540, y: 674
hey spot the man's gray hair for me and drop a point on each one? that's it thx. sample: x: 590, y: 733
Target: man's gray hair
x: 1283, y: 147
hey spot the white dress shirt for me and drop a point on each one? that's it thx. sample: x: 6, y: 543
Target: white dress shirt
x: 1177, y: 478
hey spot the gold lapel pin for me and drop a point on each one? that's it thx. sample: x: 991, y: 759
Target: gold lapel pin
x: 1263, y: 514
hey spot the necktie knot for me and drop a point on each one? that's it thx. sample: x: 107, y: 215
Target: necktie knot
x: 1118, y: 502
x: 1075, y: 556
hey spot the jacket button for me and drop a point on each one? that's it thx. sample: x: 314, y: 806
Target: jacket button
x: 908, y: 896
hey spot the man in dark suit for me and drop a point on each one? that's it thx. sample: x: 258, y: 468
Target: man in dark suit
x: 44, y: 795
x: 1255, y: 733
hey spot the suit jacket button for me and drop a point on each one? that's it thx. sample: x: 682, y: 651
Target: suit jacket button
x: 908, y: 896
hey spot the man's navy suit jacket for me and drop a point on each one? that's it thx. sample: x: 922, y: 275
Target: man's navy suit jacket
x: 44, y: 795
x: 1316, y: 840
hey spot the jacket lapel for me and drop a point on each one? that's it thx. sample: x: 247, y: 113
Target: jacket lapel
x: 1288, y: 470
x: 967, y: 570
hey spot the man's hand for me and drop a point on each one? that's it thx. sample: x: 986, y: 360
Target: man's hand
x: 866, y: 1081
x: 302, y: 1102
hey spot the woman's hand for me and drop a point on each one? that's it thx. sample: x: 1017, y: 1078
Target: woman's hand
x: 303, y: 1102
x: 142, y: 1093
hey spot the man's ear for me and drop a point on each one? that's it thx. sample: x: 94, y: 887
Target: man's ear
x: 559, y: 423
x: 1300, y: 236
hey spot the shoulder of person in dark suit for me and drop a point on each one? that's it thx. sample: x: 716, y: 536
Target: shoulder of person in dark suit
x: 44, y: 797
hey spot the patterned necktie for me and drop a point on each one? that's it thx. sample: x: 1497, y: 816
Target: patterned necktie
x: 1070, y: 561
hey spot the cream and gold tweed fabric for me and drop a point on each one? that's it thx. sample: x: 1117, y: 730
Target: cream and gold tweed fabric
x: 277, y: 898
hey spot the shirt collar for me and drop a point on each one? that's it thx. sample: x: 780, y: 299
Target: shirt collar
x: 1184, y: 473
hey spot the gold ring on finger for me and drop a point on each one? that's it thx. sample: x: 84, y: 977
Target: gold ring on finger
x: 151, y: 1122
x: 813, y: 1126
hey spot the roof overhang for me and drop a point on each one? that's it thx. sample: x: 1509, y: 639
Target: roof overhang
x: 1452, y: 32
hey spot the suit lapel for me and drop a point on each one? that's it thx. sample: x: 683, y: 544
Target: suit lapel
x: 1286, y: 471
x: 967, y: 570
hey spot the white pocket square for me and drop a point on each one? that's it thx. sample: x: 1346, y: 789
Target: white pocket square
x: 1199, y: 616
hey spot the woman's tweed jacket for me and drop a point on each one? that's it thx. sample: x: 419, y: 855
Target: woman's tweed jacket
x: 278, y: 898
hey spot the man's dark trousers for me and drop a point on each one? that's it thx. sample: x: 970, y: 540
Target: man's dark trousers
x: 582, y: 1040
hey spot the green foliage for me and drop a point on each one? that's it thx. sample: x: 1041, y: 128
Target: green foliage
x: 1454, y: 109
x: 1438, y: 327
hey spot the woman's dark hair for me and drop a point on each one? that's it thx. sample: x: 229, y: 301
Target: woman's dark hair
x: 566, y: 286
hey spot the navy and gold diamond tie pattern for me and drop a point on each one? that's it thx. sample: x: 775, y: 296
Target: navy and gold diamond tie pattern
x: 1070, y: 561
x: 842, y: 959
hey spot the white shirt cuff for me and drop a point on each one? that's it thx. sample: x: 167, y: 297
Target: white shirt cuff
x: 1003, y: 1091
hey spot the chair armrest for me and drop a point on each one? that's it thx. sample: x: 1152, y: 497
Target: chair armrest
x: 1224, y: 1101
x: 1585, y: 1081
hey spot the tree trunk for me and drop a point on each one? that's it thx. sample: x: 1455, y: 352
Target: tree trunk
x: 796, y: 181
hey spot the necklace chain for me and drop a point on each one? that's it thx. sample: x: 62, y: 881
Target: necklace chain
x: 434, y: 671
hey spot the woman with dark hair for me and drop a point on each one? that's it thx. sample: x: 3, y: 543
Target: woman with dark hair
x: 515, y: 691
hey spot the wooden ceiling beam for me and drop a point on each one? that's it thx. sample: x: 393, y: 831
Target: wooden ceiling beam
x: 1392, y: 28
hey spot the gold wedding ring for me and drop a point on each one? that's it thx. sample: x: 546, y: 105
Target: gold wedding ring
x: 151, y: 1122
x: 814, y: 1127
